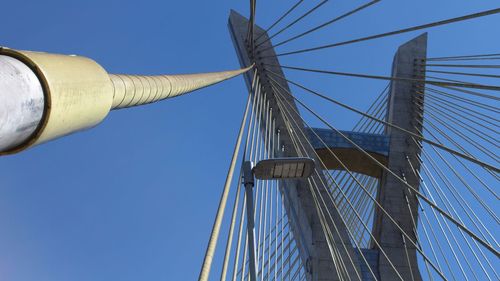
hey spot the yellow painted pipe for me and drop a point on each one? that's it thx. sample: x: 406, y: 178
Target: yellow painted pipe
x: 77, y: 94
x: 132, y: 90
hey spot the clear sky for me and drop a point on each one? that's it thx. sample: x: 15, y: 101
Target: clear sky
x: 135, y: 197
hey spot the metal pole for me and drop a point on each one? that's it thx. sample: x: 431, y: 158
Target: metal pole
x: 46, y: 96
x: 248, y: 180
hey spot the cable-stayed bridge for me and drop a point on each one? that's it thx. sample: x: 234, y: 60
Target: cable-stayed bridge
x: 409, y: 193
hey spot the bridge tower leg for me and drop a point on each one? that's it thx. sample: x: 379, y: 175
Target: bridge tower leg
x: 299, y: 202
x: 405, y: 111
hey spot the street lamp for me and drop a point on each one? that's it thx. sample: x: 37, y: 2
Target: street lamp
x: 276, y: 168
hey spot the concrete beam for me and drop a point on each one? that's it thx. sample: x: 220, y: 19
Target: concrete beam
x: 299, y: 203
x: 403, y: 112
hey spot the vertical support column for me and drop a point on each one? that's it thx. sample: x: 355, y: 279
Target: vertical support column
x: 403, y: 111
x: 299, y: 203
x: 248, y: 180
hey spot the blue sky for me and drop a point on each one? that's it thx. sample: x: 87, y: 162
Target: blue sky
x: 134, y: 198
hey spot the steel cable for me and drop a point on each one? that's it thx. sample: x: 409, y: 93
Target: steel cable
x: 400, y: 31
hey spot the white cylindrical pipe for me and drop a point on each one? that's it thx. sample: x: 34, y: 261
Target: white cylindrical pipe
x: 21, y: 102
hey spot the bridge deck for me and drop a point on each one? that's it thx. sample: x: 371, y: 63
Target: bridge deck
x: 376, y: 144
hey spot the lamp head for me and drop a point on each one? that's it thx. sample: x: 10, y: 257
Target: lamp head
x: 284, y: 168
